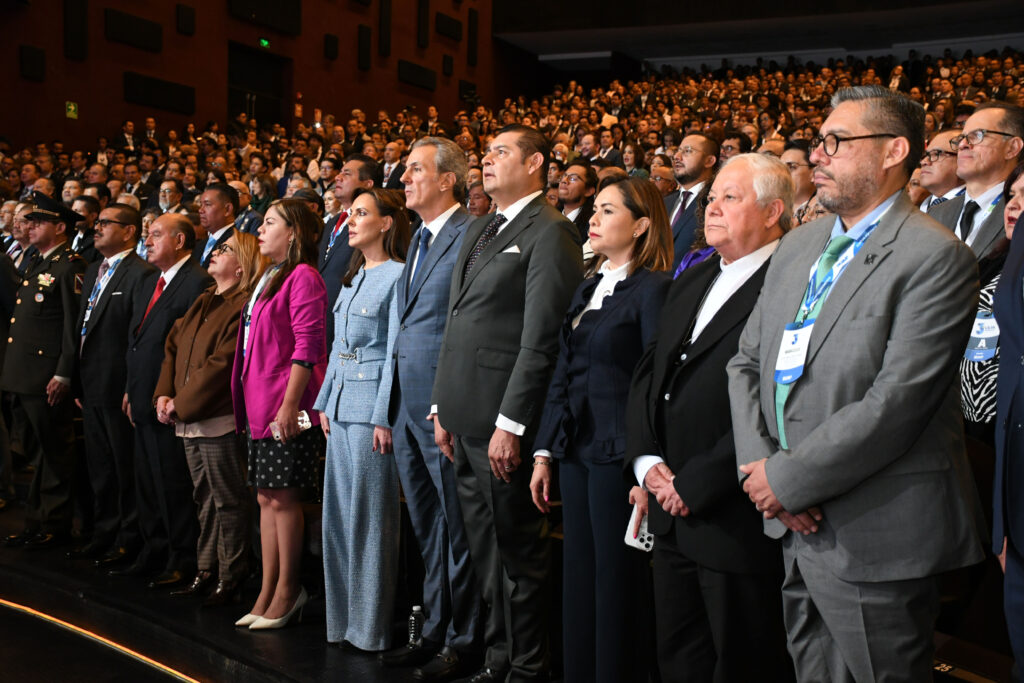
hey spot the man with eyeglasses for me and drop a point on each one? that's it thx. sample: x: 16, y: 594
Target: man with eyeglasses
x: 106, y: 309
x: 694, y: 166
x: 170, y: 196
x: 734, y: 143
x: 846, y: 406
x: 796, y: 157
x: 576, y: 192
x: 938, y: 171
x: 986, y: 152
x: 664, y: 181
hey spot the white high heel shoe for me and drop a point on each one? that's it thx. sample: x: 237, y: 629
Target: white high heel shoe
x: 247, y: 620
x: 262, y: 623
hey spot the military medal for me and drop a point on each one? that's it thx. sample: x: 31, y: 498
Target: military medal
x: 39, y: 297
x: 46, y: 280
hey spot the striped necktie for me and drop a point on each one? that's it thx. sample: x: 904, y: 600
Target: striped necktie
x: 489, y: 233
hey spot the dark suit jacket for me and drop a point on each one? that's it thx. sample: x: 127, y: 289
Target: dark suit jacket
x: 421, y: 315
x: 86, y: 249
x: 146, y: 338
x: 613, y: 158
x: 582, y: 220
x: 143, y: 191
x: 1008, y: 501
x: 692, y: 430
x: 585, y: 412
x: 684, y: 229
x: 332, y: 264
x: 501, y: 338
x: 394, y: 180
x: 989, y: 234
x: 101, y: 372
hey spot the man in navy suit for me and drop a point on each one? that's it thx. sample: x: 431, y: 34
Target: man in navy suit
x: 358, y: 172
x: 435, y: 181
x: 167, y: 516
x: 694, y: 166
x: 218, y: 206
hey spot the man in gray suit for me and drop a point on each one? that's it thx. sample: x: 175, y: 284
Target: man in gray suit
x: 850, y: 435
x: 512, y: 283
x: 435, y: 182
x: 987, y: 151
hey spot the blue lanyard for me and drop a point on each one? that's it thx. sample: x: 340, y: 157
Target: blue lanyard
x: 97, y: 288
x: 815, y: 292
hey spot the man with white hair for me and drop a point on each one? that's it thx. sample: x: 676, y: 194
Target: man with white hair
x: 716, y: 576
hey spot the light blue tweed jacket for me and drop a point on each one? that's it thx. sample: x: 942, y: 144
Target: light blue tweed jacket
x: 357, y: 386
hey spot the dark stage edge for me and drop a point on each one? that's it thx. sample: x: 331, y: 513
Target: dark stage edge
x: 200, y: 643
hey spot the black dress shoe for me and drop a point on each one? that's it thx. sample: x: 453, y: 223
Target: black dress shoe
x: 413, y: 653
x: 198, y: 585
x: 485, y: 675
x: 18, y: 540
x: 167, y: 579
x: 226, y: 592
x: 47, y: 540
x: 111, y: 557
x: 89, y: 551
x: 138, y: 568
x: 443, y: 667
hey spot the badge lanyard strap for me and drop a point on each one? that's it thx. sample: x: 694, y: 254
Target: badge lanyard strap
x: 98, y: 287
x: 814, y: 293
x: 252, y: 304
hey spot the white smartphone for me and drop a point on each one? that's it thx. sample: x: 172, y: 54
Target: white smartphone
x: 644, y: 540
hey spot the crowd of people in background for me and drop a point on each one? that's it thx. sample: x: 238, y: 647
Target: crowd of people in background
x: 753, y: 315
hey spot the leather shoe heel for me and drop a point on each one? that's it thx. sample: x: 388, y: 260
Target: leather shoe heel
x: 413, y: 653
x: 198, y: 585
x: 226, y: 592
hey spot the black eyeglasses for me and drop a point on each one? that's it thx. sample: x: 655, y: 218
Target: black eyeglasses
x: 933, y: 155
x: 975, y: 137
x: 222, y: 249
x: 104, y: 222
x: 830, y: 143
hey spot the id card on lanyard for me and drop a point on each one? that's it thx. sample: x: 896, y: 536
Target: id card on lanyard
x: 789, y: 365
x: 97, y: 288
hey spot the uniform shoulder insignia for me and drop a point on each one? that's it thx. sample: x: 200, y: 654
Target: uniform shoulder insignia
x: 79, y: 282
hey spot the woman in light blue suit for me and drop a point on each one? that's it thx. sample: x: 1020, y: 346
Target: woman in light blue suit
x: 360, y: 509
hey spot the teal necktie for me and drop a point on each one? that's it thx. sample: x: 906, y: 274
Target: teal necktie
x: 834, y: 249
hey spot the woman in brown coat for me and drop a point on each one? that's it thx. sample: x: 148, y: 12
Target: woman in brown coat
x: 194, y: 394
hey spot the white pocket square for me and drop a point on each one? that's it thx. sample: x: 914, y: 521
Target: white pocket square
x: 116, y: 293
x: 514, y: 249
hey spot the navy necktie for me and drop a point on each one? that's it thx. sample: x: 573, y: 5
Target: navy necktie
x: 421, y: 256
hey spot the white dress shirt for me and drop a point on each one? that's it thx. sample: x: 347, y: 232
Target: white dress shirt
x: 986, y: 204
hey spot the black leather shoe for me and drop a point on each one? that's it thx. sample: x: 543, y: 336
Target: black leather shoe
x: 47, y: 540
x: 443, y: 667
x: 413, y: 653
x: 136, y: 569
x: 111, y: 557
x: 485, y: 675
x: 167, y: 579
x: 18, y: 540
x: 226, y: 592
x: 199, y: 584
x: 89, y: 551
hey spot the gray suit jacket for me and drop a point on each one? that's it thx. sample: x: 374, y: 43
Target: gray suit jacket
x: 990, y: 233
x: 874, y: 427
x: 421, y: 315
x: 501, y: 338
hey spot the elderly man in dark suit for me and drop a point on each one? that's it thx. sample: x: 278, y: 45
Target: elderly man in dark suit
x: 512, y: 283
x: 107, y: 307
x: 846, y: 405
x: 716, y: 576
x: 167, y: 517
x: 435, y: 176
x: 39, y: 362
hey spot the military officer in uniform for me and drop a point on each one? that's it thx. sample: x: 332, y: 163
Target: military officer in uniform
x: 37, y: 369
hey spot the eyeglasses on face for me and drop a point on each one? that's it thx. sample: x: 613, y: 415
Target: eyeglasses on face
x: 222, y: 249
x: 830, y: 143
x: 933, y: 155
x: 104, y: 222
x: 975, y: 137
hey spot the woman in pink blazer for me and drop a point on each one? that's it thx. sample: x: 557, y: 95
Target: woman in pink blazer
x: 279, y: 367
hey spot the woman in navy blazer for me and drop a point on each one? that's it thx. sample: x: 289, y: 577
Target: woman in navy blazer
x: 361, y: 514
x: 610, y: 322
x: 279, y: 366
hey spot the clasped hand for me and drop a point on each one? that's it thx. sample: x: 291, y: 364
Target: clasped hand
x: 658, y: 481
x: 761, y: 495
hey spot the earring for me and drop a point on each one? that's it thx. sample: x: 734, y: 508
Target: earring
x: 635, y: 235
x: 238, y: 273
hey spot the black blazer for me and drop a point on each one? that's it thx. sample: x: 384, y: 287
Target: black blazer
x: 197, y: 251
x: 146, y: 339
x: 394, y: 180
x: 684, y: 231
x: 582, y: 220
x: 332, y: 264
x: 691, y: 429
x: 585, y: 412
x: 101, y: 374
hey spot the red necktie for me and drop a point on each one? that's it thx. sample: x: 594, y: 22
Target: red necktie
x: 152, y: 300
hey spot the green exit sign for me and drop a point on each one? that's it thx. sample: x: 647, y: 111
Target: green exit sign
x: 264, y: 43
x: 71, y: 110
